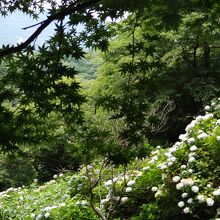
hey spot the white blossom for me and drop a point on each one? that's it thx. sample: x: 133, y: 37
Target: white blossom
x: 193, y: 148
x: 158, y: 193
x: 199, y: 118
x: 146, y: 168
x: 103, y: 201
x: 172, y: 159
x: 124, y: 199
x: 207, y: 108
x: 183, y: 137
x: 191, y: 140
x: 190, y: 201
x: 184, y: 195
x: 170, y: 163
x: 216, y: 192
x: 181, y: 204
x: 208, y: 116
x: 128, y: 189
x: 154, y: 189
x: 186, y: 210
x: 202, y: 136
x: 209, y: 185
x: 187, y: 182
x: 195, y: 189
x: 108, y: 183
x: 47, y: 214
x: 190, y: 170
x: 201, y: 198
x: 210, y: 201
x: 39, y: 217
x: 191, y: 159
x: 131, y: 182
x: 176, y: 179
x: 183, y: 166
x: 179, y: 186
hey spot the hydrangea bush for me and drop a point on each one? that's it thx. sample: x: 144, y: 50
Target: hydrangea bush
x: 180, y: 182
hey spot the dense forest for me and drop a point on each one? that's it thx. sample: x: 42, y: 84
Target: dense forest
x: 117, y: 120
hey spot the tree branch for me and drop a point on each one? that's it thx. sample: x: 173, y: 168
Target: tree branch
x: 63, y: 12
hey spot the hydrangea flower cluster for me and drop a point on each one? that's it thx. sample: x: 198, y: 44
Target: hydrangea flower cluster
x: 190, y: 159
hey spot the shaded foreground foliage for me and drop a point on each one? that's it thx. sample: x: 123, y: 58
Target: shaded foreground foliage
x: 180, y: 182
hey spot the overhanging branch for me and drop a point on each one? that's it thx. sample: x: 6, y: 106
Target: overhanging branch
x: 63, y: 12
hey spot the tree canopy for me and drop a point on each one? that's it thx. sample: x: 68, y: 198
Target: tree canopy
x: 161, y: 62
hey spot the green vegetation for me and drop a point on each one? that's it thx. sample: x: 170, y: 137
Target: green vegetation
x: 179, y: 182
x: 111, y: 121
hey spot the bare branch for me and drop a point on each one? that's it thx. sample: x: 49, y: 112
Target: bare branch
x: 34, y: 25
x: 63, y: 12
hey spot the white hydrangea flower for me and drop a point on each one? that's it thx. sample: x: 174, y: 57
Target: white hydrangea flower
x: 187, y: 182
x: 190, y: 201
x: 186, y: 210
x: 108, y: 183
x: 124, y: 199
x: 208, y: 116
x: 39, y: 217
x: 218, y: 138
x: 199, y: 118
x: 202, y: 136
x: 170, y: 163
x: 216, y: 192
x: 172, y: 159
x: 179, y: 186
x: 210, y: 201
x: 115, y: 179
x: 139, y: 174
x: 55, y: 176
x: 47, y: 214
x: 146, y: 168
x: 201, y: 198
x: 192, y: 154
x: 32, y: 215
x: 207, y: 108
x: 131, y: 182
x: 183, y: 137
x: 191, y: 159
x: 209, y: 185
x: 154, y: 189
x: 128, y: 189
x: 184, y: 195
x: 103, y: 201
x: 158, y: 193
x: 176, y: 179
x: 183, y: 166
x: 191, y: 140
x: 163, y: 167
x: 195, y: 189
x: 155, y: 152
x: 193, y: 148
x: 181, y: 204
x: 190, y: 170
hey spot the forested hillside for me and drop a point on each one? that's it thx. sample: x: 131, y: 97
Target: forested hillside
x: 117, y: 120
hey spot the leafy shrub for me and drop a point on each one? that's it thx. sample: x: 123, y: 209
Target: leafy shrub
x: 180, y: 182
